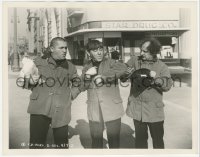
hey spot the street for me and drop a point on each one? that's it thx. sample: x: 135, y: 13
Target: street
x: 178, y: 119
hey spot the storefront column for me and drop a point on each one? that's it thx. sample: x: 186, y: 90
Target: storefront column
x: 185, y: 38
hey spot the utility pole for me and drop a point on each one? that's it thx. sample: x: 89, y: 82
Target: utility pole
x: 37, y: 20
x: 15, y: 67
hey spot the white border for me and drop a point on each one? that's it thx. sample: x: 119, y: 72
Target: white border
x: 195, y: 115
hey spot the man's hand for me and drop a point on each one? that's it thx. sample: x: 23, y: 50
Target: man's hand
x: 92, y: 71
x: 28, y: 66
x: 153, y: 74
x: 158, y: 82
x: 129, y: 71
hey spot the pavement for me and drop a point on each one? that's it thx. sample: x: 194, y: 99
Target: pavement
x: 178, y: 119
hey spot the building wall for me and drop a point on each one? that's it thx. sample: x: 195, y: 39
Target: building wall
x: 50, y: 23
x: 31, y: 42
x: 127, y: 13
x: 104, y: 13
x: 64, y: 22
x: 185, y: 21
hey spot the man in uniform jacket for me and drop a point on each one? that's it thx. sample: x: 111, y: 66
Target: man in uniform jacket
x: 147, y: 108
x: 100, y: 75
x: 50, y: 100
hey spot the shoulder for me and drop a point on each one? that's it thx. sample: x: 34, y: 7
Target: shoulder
x: 70, y: 66
x: 109, y: 60
x: 162, y: 65
x: 163, y: 68
x: 131, y: 62
x: 116, y: 65
x: 40, y: 61
x: 134, y: 58
x: 69, y: 62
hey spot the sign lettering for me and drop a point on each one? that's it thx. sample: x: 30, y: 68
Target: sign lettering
x: 141, y: 24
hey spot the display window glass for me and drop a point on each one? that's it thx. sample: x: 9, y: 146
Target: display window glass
x: 169, y: 48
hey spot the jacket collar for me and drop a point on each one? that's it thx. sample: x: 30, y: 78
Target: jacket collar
x: 50, y: 60
x: 63, y: 64
x: 150, y: 61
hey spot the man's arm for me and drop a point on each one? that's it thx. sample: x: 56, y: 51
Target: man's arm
x: 82, y: 83
x: 29, y: 76
x: 116, y: 70
x: 131, y: 67
x: 75, y: 91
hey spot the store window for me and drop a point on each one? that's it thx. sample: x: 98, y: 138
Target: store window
x: 169, y: 47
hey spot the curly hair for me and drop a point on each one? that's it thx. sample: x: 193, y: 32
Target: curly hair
x: 154, y: 46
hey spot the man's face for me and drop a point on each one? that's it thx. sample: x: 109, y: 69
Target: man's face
x: 97, y: 54
x: 59, y: 50
x: 145, y: 52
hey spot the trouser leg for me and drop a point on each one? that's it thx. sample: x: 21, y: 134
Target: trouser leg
x: 113, y: 133
x: 141, y: 134
x: 157, y: 133
x: 61, y: 137
x: 39, y: 126
x: 96, y: 131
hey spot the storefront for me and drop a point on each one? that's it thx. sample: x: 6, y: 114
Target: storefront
x: 127, y: 42
x: 125, y: 37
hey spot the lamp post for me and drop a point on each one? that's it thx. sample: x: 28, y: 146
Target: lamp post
x: 15, y: 66
x: 32, y: 30
x: 49, y: 32
x: 38, y: 35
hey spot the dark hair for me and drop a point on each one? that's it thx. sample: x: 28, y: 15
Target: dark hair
x: 54, y: 41
x: 93, y: 45
x: 154, y: 46
x: 115, y: 55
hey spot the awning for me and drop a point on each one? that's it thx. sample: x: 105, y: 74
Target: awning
x: 123, y: 30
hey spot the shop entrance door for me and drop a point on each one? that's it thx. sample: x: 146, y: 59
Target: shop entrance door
x: 131, y: 44
x: 113, y: 48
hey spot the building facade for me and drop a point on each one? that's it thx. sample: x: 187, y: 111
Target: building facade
x: 123, y: 29
x: 43, y: 25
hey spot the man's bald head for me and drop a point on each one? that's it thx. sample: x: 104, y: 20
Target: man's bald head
x: 58, y: 48
x: 55, y: 40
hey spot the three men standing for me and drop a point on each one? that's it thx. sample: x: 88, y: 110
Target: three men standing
x: 50, y: 102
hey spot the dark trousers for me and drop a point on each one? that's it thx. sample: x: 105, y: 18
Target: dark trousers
x: 113, y: 133
x: 141, y: 134
x: 39, y: 126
